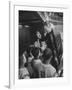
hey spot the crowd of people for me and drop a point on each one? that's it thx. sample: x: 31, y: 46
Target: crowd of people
x: 44, y: 58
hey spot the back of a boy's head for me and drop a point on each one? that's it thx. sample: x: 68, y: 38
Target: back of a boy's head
x: 47, y: 54
x: 35, y: 52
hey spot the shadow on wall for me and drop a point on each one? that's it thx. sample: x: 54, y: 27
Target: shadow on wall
x: 24, y: 39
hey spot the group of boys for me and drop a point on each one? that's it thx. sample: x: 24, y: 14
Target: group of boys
x: 44, y: 58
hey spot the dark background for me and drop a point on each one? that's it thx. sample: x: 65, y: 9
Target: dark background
x: 27, y: 35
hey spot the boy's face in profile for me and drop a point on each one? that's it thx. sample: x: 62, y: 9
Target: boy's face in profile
x: 44, y: 45
x: 38, y: 35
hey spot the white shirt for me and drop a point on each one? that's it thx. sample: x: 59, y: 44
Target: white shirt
x: 50, y: 71
x: 23, y: 73
x: 47, y: 69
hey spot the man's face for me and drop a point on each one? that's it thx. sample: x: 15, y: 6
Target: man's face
x: 47, y: 28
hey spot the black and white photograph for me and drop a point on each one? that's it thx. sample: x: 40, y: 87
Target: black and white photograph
x: 40, y: 44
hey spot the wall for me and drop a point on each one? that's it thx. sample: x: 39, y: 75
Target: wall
x: 4, y: 43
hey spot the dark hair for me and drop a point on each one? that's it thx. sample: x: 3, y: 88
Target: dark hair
x: 47, y: 54
x: 28, y: 50
x: 35, y: 52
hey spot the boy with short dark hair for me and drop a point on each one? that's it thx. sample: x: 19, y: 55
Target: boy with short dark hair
x: 50, y: 71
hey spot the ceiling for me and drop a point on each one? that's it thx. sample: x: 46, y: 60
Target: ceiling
x: 29, y: 17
